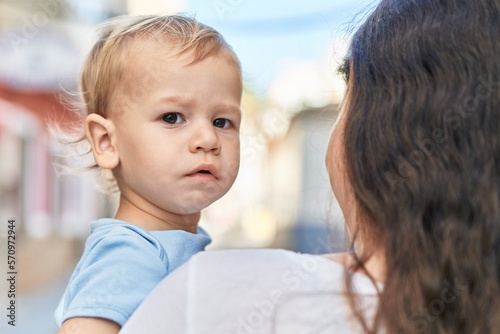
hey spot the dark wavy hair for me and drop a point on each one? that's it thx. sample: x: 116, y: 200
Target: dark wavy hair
x: 422, y: 148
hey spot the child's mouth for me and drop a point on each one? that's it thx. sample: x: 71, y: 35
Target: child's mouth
x: 203, y: 175
x: 205, y: 172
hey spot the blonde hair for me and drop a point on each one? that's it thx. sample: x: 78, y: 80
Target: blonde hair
x: 118, y: 38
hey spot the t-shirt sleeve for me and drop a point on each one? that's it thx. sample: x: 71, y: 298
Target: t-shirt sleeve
x: 113, y: 279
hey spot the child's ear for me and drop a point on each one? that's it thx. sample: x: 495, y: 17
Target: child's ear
x: 101, y: 134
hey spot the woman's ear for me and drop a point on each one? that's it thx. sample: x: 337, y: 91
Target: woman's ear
x: 102, y: 137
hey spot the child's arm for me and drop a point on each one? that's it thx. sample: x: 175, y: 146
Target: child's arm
x: 83, y: 325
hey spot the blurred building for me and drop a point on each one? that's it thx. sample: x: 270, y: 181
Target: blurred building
x: 42, y: 46
x: 319, y: 226
x: 41, y: 55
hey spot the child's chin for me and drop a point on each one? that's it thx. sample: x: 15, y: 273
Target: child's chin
x: 200, y: 203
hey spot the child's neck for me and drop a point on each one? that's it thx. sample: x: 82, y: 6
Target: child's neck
x: 155, y: 221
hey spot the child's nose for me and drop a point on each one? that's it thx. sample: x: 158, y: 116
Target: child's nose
x: 205, y: 139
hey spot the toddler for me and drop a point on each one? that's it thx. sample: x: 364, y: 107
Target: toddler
x: 162, y: 94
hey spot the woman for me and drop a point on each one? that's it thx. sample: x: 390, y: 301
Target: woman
x: 414, y: 161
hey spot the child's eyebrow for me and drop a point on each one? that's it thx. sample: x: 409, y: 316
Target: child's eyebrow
x: 227, y: 108
x: 189, y: 102
x: 179, y: 100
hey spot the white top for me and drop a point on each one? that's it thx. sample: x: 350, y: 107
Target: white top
x: 253, y: 292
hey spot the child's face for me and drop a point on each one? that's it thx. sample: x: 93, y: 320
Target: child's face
x: 177, y: 132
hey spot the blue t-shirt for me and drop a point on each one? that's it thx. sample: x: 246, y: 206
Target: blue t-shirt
x: 120, y: 265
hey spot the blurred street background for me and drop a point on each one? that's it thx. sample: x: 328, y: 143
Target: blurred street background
x: 289, y: 52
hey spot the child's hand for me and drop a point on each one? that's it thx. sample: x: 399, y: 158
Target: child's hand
x: 89, y: 326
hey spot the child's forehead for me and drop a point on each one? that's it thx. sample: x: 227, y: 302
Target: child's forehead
x: 144, y: 64
x: 143, y: 50
x: 147, y: 61
x: 150, y: 65
x: 145, y: 57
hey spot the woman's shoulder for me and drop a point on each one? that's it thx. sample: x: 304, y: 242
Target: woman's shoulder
x: 258, y: 291
x: 277, y: 267
x: 270, y: 254
x: 270, y: 260
x: 257, y: 255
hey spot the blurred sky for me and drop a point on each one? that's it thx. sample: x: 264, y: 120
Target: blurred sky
x: 267, y: 34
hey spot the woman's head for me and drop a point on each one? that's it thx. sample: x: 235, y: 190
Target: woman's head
x: 420, y: 148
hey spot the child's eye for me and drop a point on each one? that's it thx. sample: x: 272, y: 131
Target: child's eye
x: 173, y: 118
x: 222, y: 123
